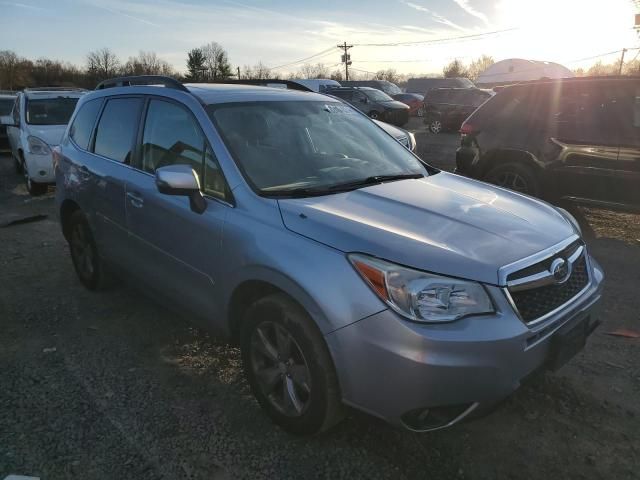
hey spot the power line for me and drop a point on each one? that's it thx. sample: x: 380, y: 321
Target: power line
x: 319, y: 54
x: 436, y: 40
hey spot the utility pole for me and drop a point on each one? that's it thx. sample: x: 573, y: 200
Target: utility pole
x: 346, y: 59
x: 624, y: 50
x: 238, y: 73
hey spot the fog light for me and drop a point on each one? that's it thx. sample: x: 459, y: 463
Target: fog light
x: 42, y: 173
x: 423, y: 419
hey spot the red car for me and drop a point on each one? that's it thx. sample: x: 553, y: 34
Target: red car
x: 415, y: 102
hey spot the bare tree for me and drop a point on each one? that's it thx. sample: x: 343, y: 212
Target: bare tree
x: 319, y: 70
x: 258, y: 71
x: 390, y: 75
x: 102, y: 64
x: 147, y: 63
x: 216, y: 61
x: 13, y: 70
x: 479, y: 65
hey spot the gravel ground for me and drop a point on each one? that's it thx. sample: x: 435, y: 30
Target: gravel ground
x: 111, y: 385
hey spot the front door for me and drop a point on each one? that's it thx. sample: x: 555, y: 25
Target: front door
x: 177, y: 251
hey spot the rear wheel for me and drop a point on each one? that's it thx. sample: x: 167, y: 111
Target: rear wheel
x: 289, y: 367
x: 435, y: 126
x: 33, y: 188
x: 514, y: 176
x: 89, y: 266
x: 373, y: 114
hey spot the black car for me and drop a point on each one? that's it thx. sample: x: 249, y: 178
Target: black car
x: 389, y: 88
x: 571, y: 139
x: 447, y: 108
x: 375, y: 103
x: 424, y: 84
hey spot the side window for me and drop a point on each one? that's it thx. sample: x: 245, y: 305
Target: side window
x: 82, y: 126
x: 172, y: 137
x: 359, y: 97
x: 16, y: 111
x: 117, y: 129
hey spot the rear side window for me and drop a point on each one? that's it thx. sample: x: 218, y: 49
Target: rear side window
x: 83, y: 123
x: 117, y: 128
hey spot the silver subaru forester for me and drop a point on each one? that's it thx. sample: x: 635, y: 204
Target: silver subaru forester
x: 348, y: 271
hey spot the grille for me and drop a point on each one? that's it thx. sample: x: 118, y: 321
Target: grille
x: 537, y: 302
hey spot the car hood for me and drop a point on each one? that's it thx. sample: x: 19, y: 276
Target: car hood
x: 443, y: 223
x: 52, y: 134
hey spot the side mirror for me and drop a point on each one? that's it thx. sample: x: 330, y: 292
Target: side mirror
x: 7, y: 121
x: 183, y: 181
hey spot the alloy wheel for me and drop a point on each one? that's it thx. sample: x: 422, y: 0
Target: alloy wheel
x: 435, y: 126
x: 512, y: 181
x: 421, y: 112
x: 82, y: 251
x: 374, y: 115
x: 281, y: 371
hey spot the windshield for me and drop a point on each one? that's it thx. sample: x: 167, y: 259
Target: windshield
x: 282, y: 146
x: 377, y: 96
x: 50, y: 111
x: 6, y: 105
x: 391, y: 88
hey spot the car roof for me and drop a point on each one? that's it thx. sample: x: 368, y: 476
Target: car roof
x: 213, y: 93
x: 54, y: 92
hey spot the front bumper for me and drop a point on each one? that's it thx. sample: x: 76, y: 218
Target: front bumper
x: 467, y: 162
x: 40, y: 167
x: 390, y: 367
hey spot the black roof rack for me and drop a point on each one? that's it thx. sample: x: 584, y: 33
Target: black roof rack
x: 167, y: 82
x: 267, y: 82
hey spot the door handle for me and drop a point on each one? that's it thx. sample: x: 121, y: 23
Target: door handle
x: 135, y: 199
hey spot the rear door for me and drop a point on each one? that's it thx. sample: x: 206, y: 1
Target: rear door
x: 105, y: 171
x: 176, y: 251
x: 587, y: 127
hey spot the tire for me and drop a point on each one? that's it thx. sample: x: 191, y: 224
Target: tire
x: 89, y: 267
x: 515, y: 176
x: 17, y: 165
x: 435, y: 126
x: 420, y: 112
x: 282, y: 352
x: 35, y: 189
x: 373, y: 114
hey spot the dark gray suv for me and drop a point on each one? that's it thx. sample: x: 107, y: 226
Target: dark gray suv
x: 375, y: 103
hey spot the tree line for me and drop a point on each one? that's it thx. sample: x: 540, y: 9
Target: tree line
x: 210, y: 63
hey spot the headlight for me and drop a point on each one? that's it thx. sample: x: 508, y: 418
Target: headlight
x: 37, y: 146
x: 421, y: 296
x: 571, y: 219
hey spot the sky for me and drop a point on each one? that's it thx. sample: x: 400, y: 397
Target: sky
x: 279, y: 32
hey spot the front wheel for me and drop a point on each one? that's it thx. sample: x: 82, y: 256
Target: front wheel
x: 33, y: 188
x: 17, y: 164
x: 288, y: 366
x: 373, y: 114
x: 514, y: 176
x: 420, y: 112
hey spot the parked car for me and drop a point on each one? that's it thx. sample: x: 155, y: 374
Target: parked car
x: 383, y: 85
x: 7, y: 100
x: 39, y: 119
x: 447, y: 108
x: 348, y: 271
x: 414, y: 101
x: 403, y: 136
x: 423, y: 85
x: 317, y: 84
x: 572, y: 139
x: 378, y: 105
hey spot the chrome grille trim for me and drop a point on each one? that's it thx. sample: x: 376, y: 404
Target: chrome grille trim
x: 542, y: 278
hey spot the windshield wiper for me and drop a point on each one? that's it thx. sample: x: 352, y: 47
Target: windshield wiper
x: 341, y: 187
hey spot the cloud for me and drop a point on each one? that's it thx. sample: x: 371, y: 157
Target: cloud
x: 121, y: 13
x: 464, y: 4
x: 436, y: 17
x: 25, y: 6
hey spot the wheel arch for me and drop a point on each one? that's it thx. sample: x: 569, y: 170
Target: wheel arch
x: 258, y: 283
x: 67, y: 209
x: 500, y: 157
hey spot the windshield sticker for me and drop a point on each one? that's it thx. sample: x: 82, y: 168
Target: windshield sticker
x: 339, y: 108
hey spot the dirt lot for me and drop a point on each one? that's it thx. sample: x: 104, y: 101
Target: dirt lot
x: 112, y: 386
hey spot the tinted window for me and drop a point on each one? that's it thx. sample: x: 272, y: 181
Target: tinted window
x: 84, y: 121
x: 378, y: 96
x: 117, y: 128
x: 50, y: 111
x: 344, y: 94
x: 6, y: 104
x: 172, y: 137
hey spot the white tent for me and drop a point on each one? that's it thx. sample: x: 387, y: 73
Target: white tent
x: 520, y: 70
